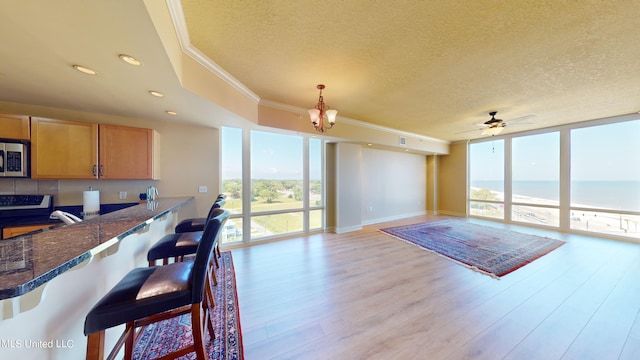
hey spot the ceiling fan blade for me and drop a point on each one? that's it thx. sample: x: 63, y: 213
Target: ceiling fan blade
x: 467, y: 131
x: 522, y: 118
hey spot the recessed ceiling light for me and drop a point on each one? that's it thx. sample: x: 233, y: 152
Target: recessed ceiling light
x: 156, y: 93
x: 130, y: 59
x: 171, y: 112
x: 85, y: 70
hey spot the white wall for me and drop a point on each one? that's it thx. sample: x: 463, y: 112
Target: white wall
x: 393, y: 185
x: 347, y: 185
x: 370, y: 186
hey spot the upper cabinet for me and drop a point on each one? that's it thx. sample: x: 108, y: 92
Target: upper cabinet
x: 62, y: 149
x: 126, y: 152
x: 14, y: 127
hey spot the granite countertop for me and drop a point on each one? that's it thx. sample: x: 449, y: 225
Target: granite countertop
x: 22, y: 220
x: 28, y: 220
x: 31, y: 260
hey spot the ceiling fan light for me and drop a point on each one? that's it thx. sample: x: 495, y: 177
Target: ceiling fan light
x: 493, y: 130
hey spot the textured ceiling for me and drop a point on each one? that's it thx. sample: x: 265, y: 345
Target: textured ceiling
x: 434, y: 68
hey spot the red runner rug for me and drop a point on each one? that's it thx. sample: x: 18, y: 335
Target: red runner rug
x: 489, y: 250
x: 160, y: 338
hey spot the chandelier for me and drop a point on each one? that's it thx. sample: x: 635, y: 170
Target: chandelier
x: 321, y: 116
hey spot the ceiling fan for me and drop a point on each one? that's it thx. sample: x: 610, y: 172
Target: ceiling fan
x: 495, y: 126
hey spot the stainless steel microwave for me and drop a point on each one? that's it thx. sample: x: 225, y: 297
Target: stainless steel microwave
x: 14, y: 159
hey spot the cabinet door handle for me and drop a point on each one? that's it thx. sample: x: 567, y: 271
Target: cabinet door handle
x: 101, y: 170
x: 94, y: 170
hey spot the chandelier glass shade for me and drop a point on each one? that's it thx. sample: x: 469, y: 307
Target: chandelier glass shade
x: 322, y: 118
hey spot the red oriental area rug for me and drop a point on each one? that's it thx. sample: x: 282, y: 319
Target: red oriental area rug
x: 489, y: 250
x: 160, y: 338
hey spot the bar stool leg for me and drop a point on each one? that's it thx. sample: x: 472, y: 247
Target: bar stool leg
x: 215, y: 259
x: 198, y: 333
x: 208, y: 306
x: 130, y: 331
x: 95, y: 346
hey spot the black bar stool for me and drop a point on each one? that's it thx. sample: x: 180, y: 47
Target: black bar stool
x: 197, y: 224
x: 180, y: 244
x: 148, y: 295
x: 185, y: 239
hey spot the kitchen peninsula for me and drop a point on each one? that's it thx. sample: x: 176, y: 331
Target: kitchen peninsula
x: 50, y: 279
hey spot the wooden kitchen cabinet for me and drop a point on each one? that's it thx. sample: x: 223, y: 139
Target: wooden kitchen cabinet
x: 64, y: 149
x: 126, y: 152
x: 15, y: 127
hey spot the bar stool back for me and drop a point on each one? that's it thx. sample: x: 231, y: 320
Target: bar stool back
x: 151, y: 294
x: 178, y: 245
x: 197, y: 224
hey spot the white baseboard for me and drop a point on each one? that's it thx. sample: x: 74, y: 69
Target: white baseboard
x: 342, y: 230
x: 395, y: 217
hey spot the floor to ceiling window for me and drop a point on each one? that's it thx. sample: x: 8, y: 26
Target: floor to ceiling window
x: 277, y: 188
x: 316, y: 185
x: 486, y: 179
x: 593, y: 185
x: 276, y: 184
x: 535, y: 179
x: 231, y: 178
x: 605, y: 179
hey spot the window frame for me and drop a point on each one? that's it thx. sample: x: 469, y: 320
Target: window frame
x: 247, y: 211
x: 564, y: 207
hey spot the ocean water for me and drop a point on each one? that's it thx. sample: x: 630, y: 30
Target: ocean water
x: 615, y: 195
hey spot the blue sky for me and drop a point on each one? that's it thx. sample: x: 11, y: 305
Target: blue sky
x: 608, y: 152
x: 273, y: 156
x: 599, y: 153
x: 605, y: 153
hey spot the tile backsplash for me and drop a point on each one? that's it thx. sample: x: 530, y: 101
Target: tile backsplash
x: 10, y: 186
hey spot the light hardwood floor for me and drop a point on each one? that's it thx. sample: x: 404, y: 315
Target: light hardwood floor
x: 366, y: 295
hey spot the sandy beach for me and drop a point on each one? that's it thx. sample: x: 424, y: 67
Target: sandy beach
x: 594, y: 220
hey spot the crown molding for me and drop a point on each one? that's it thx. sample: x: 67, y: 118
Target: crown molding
x: 299, y: 110
x: 177, y: 16
x: 179, y: 23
